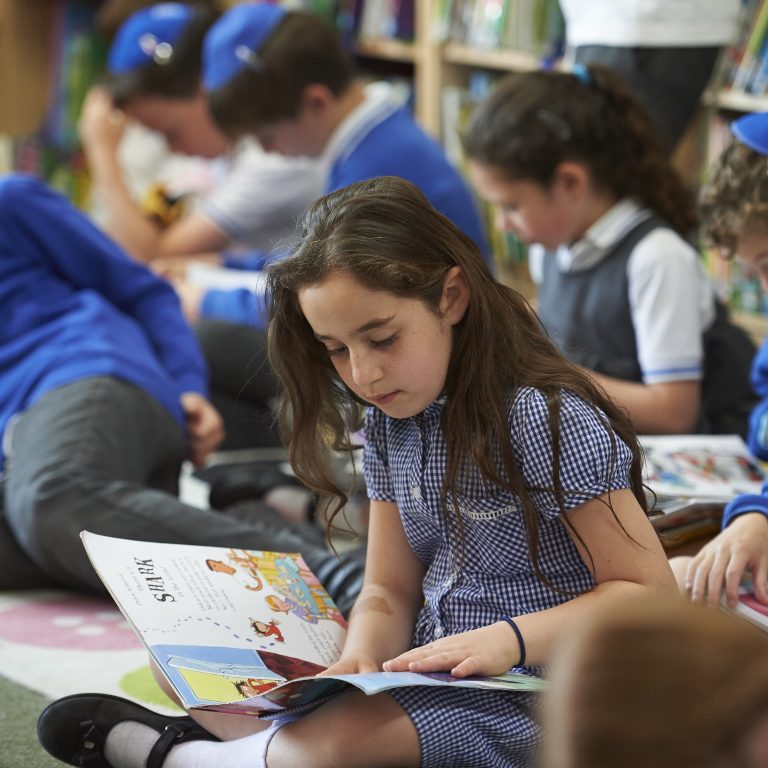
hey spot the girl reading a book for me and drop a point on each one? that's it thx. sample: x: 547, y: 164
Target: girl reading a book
x: 571, y: 162
x: 506, y: 496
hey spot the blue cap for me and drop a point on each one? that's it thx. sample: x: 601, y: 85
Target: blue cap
x: 148, y: 36
x: 752, y: 130
x: 234, y: 41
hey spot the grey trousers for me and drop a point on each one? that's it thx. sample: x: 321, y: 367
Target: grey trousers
x: 102, y: 455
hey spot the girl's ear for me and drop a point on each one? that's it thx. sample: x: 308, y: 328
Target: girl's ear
x: 572, y: 177
x: 455, y: 298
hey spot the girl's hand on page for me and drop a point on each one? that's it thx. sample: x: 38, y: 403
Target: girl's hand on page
x: 721, y: 564
x: 352, y: 665
x: 490, y: 650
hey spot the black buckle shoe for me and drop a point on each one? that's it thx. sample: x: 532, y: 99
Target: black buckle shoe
x: 74, y: 728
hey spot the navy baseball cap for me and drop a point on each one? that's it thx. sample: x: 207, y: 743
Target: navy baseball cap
x: 752, y: 130
x: 234, y: 41
x: 148, y: 36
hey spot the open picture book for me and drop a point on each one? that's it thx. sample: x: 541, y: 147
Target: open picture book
x: 241, y: 631
x: 695, y: 476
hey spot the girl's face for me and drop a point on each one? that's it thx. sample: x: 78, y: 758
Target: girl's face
x: 390, y: 351
x: 185, y: 123
x: 752, y: 252
x: 535, y: 214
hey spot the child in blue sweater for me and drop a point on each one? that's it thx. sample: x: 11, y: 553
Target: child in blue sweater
x: 735, y: 213
x: 102, y: 395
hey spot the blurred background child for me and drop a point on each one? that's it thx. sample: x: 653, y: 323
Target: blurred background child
x: 658, y: 683
x: 734, y: 209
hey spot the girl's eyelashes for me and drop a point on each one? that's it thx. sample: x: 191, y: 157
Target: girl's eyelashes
x: 384, y: 343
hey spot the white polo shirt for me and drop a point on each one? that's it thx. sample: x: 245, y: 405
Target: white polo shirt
x: 671, y: 298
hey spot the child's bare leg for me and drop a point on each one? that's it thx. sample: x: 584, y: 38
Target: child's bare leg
x: 352, y: 730
x: 679, y: 566
x: 226, y: 727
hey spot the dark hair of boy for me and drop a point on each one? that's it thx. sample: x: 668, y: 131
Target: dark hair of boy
x: 178, y: 77
x: 532, y: 123
x: 302, y: 50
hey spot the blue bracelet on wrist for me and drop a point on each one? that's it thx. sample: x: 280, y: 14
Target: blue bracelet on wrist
x: 520, y: 641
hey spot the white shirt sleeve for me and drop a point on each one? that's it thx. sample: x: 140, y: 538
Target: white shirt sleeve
x: 536, y: 255
x: 262, y: 196
x: 672, y: 303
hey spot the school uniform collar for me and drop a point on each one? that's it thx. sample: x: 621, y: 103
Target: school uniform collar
x: 600, y: 239
x: 381, y: 100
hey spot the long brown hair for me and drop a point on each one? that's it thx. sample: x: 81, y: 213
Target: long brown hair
x: 385, y: 234
x: 533, y: 121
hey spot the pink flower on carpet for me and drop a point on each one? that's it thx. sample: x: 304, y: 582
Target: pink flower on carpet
x: 77, y: 623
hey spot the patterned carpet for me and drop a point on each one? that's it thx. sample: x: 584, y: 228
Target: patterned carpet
x: 57, y: 643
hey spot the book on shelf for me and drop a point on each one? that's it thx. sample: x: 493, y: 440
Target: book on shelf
x: 535, y: 26
x: 693, y: 477
x: 242, y: 631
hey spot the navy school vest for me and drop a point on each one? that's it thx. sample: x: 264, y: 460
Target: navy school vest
x: 586, y: 312
x: 587, y: 315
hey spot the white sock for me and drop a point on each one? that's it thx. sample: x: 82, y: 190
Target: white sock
x: 129, y: 743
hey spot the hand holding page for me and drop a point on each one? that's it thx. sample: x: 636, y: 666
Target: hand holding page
x: 242, y: 631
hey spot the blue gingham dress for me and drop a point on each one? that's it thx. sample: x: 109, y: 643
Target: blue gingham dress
x: 404, y: 462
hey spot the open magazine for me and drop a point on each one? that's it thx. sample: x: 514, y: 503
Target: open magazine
x: 695, y: 476
x: 241, y: 631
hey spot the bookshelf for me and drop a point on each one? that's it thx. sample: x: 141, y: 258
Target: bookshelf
x: 24, y: 64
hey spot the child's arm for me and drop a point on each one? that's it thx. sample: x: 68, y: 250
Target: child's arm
x: 721, y: 564
x: 622, y: 568
x: 382, y: 620
x: 101, y: 129
x: 670, y: 407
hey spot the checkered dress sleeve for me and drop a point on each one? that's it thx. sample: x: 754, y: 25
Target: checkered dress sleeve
x: 593, y: 460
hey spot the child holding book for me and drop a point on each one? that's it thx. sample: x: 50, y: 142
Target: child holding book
x: 571, y: 163
x: 506, y: 494
x: 734, y: 206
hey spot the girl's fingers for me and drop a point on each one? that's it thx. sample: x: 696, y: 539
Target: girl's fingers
x: 700, y: 578
x: 716, y: 577
x: 733, y: 575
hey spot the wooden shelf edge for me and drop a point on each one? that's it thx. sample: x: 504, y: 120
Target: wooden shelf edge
x: 390, y: 50
x: 738, y: 101
x: 490, y: 59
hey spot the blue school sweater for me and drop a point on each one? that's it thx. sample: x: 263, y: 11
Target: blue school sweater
x: 73, y: 306
x: 391, y: 144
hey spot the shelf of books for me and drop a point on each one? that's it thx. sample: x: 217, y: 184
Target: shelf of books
x: 62, y: 54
